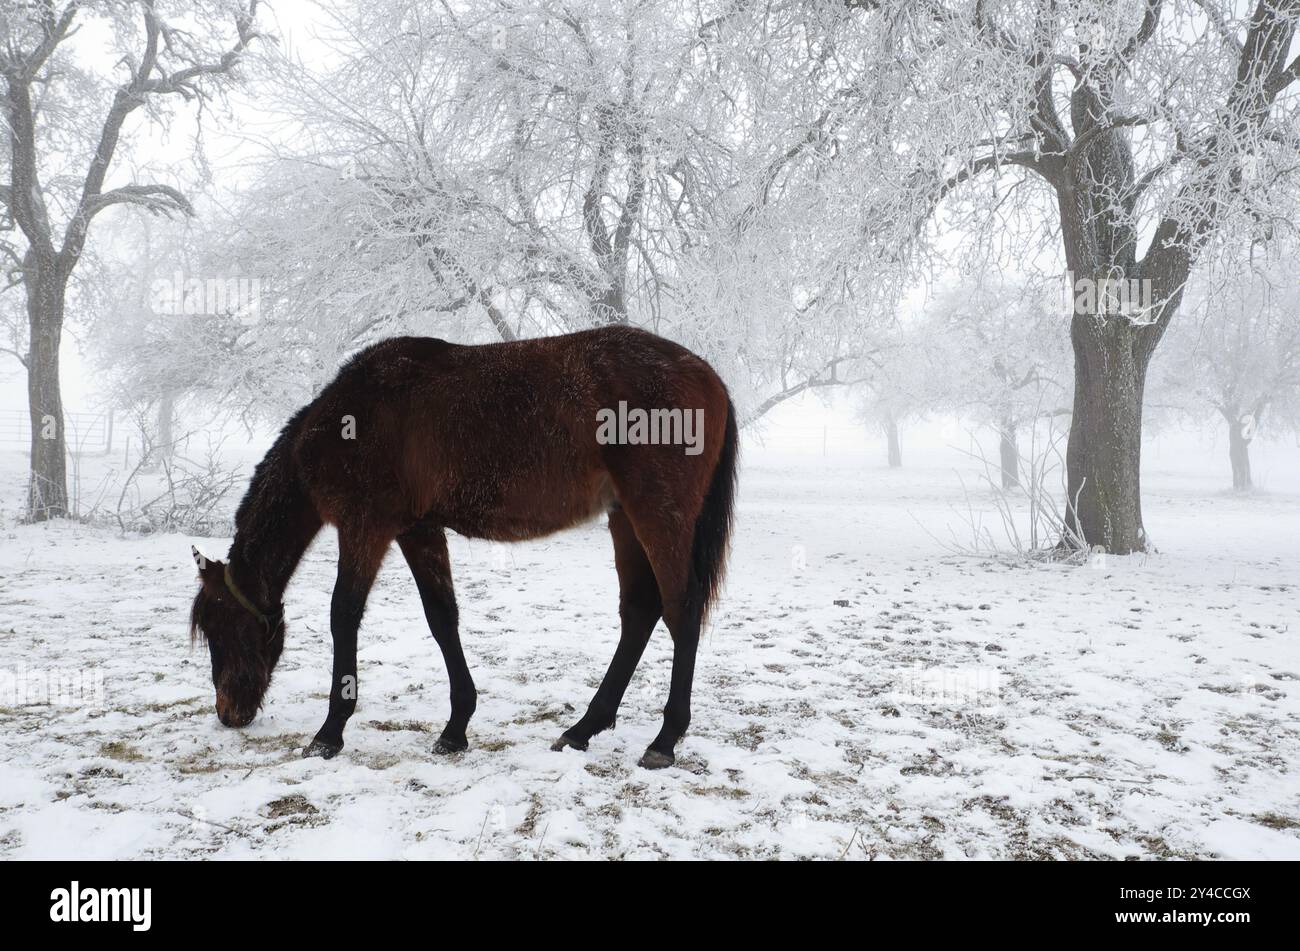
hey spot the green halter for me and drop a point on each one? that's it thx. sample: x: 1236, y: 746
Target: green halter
x: 252, y: 608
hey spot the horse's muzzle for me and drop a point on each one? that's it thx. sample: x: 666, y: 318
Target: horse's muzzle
x: 231, y: 717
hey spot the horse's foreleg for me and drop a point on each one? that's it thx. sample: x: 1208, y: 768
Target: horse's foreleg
x: 425, y: 549
x: 639, y: 611
x: 360, y: 556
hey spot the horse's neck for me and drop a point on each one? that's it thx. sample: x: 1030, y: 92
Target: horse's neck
x: 275, y: 524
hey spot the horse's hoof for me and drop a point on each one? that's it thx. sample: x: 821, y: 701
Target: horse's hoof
x: 653, y: 759
x: 322, y: 749
x: 445, y: 746
x: 566, y: 740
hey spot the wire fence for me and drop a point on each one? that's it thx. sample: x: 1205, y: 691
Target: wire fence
x: 87, y: 433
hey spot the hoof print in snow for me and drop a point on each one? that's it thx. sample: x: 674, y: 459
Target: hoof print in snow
x: 292, y: 812
x: 295, y: 805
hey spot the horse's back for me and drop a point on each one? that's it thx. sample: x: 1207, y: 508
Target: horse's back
x: 602, y: 356
x: 497, y: 440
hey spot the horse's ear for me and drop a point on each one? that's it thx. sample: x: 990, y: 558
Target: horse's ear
x: 207, y: 566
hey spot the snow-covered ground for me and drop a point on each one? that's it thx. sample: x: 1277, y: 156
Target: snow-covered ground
x: 864, y: 692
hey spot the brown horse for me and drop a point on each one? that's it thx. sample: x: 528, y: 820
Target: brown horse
x: 506, y: 441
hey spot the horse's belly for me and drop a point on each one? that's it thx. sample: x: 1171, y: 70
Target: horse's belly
x: 533, y: 508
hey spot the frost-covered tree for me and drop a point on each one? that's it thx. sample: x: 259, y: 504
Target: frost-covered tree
x: 1237, y: 354
x: 899, y: 385
x: 1145, y: 126
x: 518, y: 169
x: 166, y: 335
x: 67, y: 127
x: 1005, y: 360
x: 541, y: 163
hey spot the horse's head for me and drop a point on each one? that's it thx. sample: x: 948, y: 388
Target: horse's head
x: 243, y: 641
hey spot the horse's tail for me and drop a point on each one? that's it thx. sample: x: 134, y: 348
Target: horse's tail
x: 713, y: 525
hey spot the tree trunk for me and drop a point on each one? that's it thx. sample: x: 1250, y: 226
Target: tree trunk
x: 895, y: 448
x: 1239, y: 455
x: 47, y: 487
x: 166, y: 420
x: 1009, y: 451
x: 1103, y: 458
x: 164, y: 435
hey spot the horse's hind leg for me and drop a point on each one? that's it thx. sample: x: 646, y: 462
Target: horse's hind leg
x: 639, y: 610
x: 667, y: 542
x: 360, y: 555
x: 683, y: 622
x: 425, y: 549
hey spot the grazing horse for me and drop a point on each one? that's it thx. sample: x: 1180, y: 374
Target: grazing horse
x: 506, y: 441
